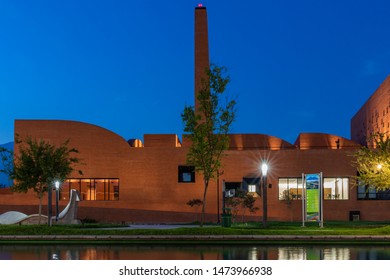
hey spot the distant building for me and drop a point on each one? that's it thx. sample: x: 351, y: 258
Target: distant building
x: 374, y: 116
x: 149, y: 180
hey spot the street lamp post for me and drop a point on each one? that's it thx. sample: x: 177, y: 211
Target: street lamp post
x: 49, y: 206
x: 57, y: 185
x: 264, y: 170
x: 50, y: 202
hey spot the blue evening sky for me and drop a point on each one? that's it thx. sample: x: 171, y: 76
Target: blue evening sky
x: 295, y: 66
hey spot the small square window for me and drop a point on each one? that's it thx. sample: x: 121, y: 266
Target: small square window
x: 186, y: 177
x: 251, y: 184
x: 186, y: 174
x: 251, y: 188
x: 232, y: 189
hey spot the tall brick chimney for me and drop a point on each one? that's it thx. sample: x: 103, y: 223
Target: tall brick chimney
x: 201, y: 48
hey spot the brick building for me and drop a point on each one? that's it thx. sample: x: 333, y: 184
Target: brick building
x: 374, y: 116
x: 149, y: 181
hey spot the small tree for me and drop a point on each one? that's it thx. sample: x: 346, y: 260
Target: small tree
x: 248, y: 202
x: 196, y: 202
x: 38, y: 164
x: 373, y: 163
x: 287, y: 197
x: 208, y: 127
x: 235, y: 203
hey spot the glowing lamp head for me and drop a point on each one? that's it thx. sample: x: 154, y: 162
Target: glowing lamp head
x: 264, y: 169
x: 379, y: 166
x: 57, y: 184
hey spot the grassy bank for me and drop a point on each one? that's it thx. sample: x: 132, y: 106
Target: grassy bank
x: 274, y: 228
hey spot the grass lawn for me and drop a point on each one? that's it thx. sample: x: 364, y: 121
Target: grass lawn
x: 274, y: 228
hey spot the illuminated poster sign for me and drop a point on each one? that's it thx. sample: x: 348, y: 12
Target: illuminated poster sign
x: 312, y: 197
x: 312, y: 202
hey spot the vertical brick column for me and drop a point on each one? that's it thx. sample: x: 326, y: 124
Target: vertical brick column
x: 201, y: 48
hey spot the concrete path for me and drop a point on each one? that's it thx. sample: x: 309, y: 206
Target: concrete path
x: 372, y: 239
x: 156, y: 226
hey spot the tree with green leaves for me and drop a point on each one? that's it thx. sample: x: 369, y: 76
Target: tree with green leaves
x: 38, y: 164
x: 373, y: 163
x: 208, y: 127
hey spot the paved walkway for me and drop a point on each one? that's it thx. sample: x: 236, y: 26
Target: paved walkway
x: 158, y: 226
x: 203, y: 238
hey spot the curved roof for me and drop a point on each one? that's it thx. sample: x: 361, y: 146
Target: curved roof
x: 323, y: 141
x: 258, y: 141
x: 66, y: 129
x: 102, y: 151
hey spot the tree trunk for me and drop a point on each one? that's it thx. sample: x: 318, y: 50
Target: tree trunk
x: 40, y: 209
x: 206, y: 185
x: 291, y: 213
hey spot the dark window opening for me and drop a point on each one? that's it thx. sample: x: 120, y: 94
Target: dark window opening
x: 186, y: 174
x: 369, y: 193
x: 232, y: 189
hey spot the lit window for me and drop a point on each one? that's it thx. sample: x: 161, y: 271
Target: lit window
x: 91, y: 189
x: 336, y: 188
x: 251, y: 185
x: 251, y: 188
x: 290, y: 188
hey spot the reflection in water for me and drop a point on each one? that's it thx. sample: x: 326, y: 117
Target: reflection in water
x: 159, y: 252
x: 337, y: 254
x: 292, y: 253
x: 54, y: 257
x: 314, y: 253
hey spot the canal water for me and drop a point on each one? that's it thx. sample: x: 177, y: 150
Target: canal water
x: 179, y: 252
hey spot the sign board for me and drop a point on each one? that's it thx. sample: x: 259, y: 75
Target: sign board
x: 312, y: 198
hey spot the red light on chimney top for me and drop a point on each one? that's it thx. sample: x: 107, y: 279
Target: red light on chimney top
x: 200, y: 5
